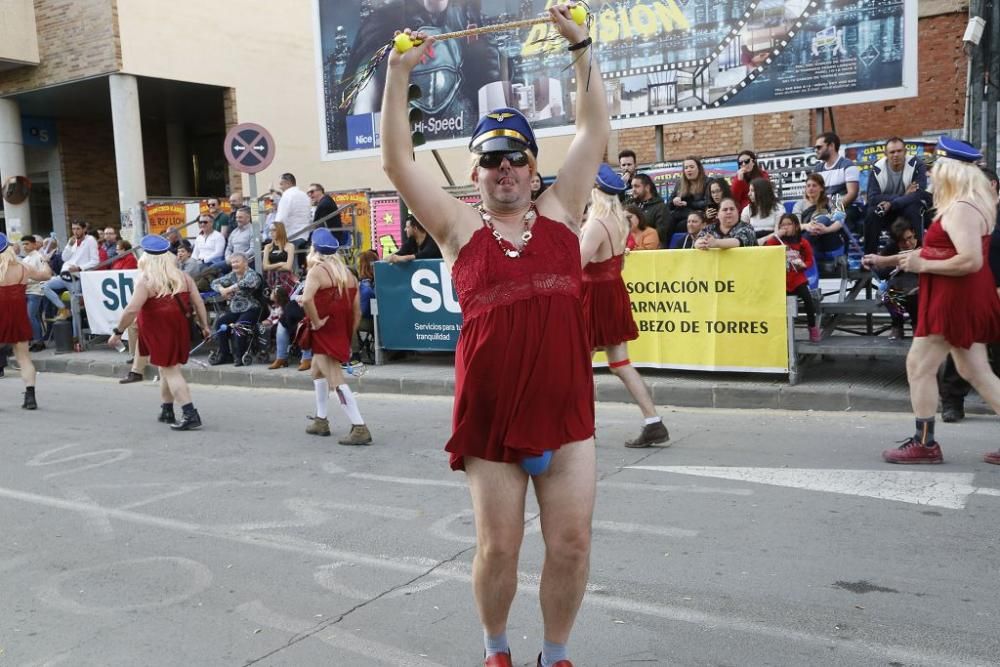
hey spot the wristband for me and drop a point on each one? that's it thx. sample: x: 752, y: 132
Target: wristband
x: 580, y: 45
x: 116, y: 331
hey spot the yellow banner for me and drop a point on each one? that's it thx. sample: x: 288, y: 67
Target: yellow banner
x: 359, y: 216
x: 720, y: 310
x: 162, y: 216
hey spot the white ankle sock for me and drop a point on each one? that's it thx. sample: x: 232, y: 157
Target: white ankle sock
x: 653, y: 420
x: 322, y: 396
x: 349, y: 405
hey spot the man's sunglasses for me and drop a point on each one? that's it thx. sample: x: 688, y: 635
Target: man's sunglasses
x: 493, y: 160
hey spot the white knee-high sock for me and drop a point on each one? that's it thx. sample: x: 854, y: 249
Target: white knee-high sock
x: 350, y: 405
x: 322, y: 388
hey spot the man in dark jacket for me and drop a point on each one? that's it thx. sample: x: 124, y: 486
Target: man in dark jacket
x: 326, y: 205
x: 897, y: 188
x: 646, y: 197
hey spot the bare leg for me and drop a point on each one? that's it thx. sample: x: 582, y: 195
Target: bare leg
x: 974, y: 366
x: 139, y: 362
x: 166, y: 396
x: 27, y: 369
x: 497, y: 491
x: 631, y: 379
x: 325, y: 366
x: 176, y: 383
x: 922, y: 362
x: 566, y: 498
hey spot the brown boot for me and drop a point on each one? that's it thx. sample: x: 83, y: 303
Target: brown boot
x: 278, y: 363
x: 319, y: 427
x: 306, y: 365
x: 652, y: 434
x: 359, y: 435
x: 62, y: 314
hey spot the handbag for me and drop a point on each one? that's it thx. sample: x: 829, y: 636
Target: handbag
x: 193, y: 326
x: 303, y: 334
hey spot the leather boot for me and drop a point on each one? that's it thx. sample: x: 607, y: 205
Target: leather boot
x: 189, y: 422
x: 278, y: 363
x: 167, y: 414
x: 29, y: 399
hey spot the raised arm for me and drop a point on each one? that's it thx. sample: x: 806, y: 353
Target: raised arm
x: 438, y: 211
x: 568, y: 196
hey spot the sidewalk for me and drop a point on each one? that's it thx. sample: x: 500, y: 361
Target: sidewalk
x: 844, y: 383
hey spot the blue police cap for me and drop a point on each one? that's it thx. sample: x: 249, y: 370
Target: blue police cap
x: 503, y: 129
x: 3, y: 242
x: 957, y: 150
x: 154, y: 245
x: 608, y: 181
x: 324, y: 242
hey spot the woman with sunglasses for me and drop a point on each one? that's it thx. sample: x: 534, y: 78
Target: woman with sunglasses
x: 747, y: 170
x: 523, y: 378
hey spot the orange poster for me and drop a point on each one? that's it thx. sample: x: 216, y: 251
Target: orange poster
x: 162, y: 216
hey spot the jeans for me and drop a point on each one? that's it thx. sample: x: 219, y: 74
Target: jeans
x: 232, y: 344
x: 57, y: 283
x: 283, y: 341
x: 35, y: 315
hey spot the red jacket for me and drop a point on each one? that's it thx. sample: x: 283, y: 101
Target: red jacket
x: 741, y: 190
x: 795, y: 277
x: 125, y: 263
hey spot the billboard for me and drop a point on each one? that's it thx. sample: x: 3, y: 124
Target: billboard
x: 663, y: 61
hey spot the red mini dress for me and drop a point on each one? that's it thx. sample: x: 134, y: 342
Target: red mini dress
x: 15, y: 327
x: 334, y: 338
x: 164, y: 332
x: 523, y: 378
x: 606, y: 306
x: 963, y: 309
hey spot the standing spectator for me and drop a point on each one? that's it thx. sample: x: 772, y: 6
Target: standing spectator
x: 236, y: 201
x: 646, y: 197
x: 14, y: 325
x: 291, y: 315
x: 842, y: 179
x: 34, y: 291
x: 209, y: 245
x: 641, y: 235
x: 897, y: 188
x: 80, y: 254
x: 822, y: 225
x: 747, y: 170
x: 125, y: 260
x: 279, y: 259
x: 728, y: 231
x: 537, y: 186
x: 689, y: 194
x: 764, y: 209
x: 108, y: 245
x: 293, y: 211
x: 418, y: 244
x: 241, y: 288
x: 718, y: 189
x: 627, y: 165
x: 220, y: 219
x: 326, y: 206
x: 798, y: 259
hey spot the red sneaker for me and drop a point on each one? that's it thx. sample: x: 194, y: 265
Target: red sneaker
x: 561, y: 663
x: 993, y: 457
x: 498, y: 660
x: 911, y: 451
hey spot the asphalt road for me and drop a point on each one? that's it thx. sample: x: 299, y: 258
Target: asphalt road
x: 758, y: 538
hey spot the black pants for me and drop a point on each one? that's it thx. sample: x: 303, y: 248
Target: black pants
x: 802, y: 291
x: 875, y: 224
x: 953, y: 387
x: 231, y: 343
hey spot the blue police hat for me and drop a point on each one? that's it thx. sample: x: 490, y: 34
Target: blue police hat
x: 154, y: 245
x: 503, y: 129
x: 957, y: 150
x: 3, y: 242
x: 324, y: 241
x: 608, y: 181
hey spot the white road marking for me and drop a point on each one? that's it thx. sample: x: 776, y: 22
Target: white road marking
x: 668, y: 488
x: 950, y: 490
x: 45, y: 459
x: 657, y: 531
x: 412, y: 481
x: 334, y: 636
x: 325, y: 576
x: 308, y: 512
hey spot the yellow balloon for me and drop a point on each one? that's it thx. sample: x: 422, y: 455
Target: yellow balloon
x: 578, y: 13
x: 402, y: 42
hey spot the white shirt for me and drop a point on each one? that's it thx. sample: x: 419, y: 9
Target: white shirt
x: 35, y: 260
x: 209, y: 248
x: 294, y: 210
x: 83, y: 255
x: 767, y: 223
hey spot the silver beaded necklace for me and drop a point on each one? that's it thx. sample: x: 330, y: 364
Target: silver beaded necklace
x: 514, y: 253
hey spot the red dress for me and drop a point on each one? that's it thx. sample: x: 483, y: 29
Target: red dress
x: 164, y: 332
x: 963, y: 309
x: 606, y: 306
x: 523, y: 379
x: 334, y: 338
x: 15, y: 327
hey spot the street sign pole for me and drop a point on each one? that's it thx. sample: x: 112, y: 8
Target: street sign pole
x: 256, y: 216
x: 249, y: 148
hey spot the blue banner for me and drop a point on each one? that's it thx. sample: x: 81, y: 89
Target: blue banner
x: 417, y: 306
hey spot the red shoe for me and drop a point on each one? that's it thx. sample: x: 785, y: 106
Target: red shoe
x: 993, y: 457
x: 561, y: 663
x: 498, y: 660
x: 911, y: 451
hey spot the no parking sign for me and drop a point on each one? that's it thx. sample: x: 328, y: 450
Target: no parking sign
x: 249, y: 148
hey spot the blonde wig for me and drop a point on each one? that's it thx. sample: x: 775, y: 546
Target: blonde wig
x: 342, y: 276
x: 8, y: 258
x: 956, y: 181
x: 161, y: 274
x: 609, y: 208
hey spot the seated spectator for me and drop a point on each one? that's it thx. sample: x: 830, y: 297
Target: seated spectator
x: 823, y: 227
x: 220, y: 219
x: 241, y: 287
x: 764, y: 209
x: 689, y: 194
x: 842, y: 180
x: 107, y: 246
x: 209, y: 245
x: 718, y: 188
x: 366, y: 280
x: 646, y: 197
x: 187, y: 264
x: 279, y: 258
x: 291, y: 314
x: 80, y: 254
x: 641, y: 236
x: 125, y: 260
x: 728, y: 231
x: 899, y: 290
x: 34, y: 291
x: 537, y: 186
x: 418, y: 244
x: 175, y: 239
x: 747, y: 170
x: 627, y: 165
x: 798, y: 258
x: 696, y: 222
x: 897, y: 189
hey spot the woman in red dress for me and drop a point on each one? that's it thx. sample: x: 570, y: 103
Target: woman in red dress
x: 15, y: 327
x: 606, y: 306
x: 162, y: 302
x: 959, y: 307
x: 333, y: 306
